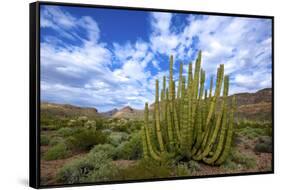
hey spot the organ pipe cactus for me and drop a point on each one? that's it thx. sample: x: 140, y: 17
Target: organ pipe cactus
x: 197, y: 122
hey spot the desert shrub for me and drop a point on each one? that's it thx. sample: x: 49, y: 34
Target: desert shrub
x: 58, y: 151
x: 182, y: 170
x: 135, y: 125
x: 264, y: 144
x: 130, y: 150
x: 107, y: 149
x: 65, y: 131
x: 193, y: 166
x: 85, y: 139
x: 243, y: 159
x: 44, y: 140
x: 144, y: 169
x: 121, y: 125
x: 106, y: 172
x: 115, y: 138
x: 75, y: 171
x: 230, y: 165
x: 253, y: 129
x: 50, y: 127
x: 92, y: 168
x: 71, y: 123
x: 252, y: 133
x: 55, y: 140
x: 99, y: 124
x: 91, y: 124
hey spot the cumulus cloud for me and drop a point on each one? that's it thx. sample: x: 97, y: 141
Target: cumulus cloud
x: 242, y: 44
x: 77, y: 67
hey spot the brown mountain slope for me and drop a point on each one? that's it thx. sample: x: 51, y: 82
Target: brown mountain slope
x: 255, y: 106
x: 66, y: 110
x: 128, y: 112
x: 109, y: 113
x: 252, y: 106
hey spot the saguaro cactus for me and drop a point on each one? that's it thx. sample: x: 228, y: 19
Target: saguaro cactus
x: 198, y: 125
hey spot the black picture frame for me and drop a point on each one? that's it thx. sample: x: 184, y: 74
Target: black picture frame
x: 34, y: 91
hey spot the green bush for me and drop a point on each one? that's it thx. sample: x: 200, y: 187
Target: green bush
x: 99, y: 124
x: 230, y: 165
x: 91, y: 124
x: 193, y: 166
x: 55, y: 140
x: 116, y: 138
x: 243, y: 159
x: 106, y: 149
x: 122, y: 125
x: 85, y: 139
x: 144, y: 169
x: 182, y: 170
x: 44, y: 140
x: 75, y: 172
x: 93, y: 168
x: 264, y: 144
x: 58, y: 151
x: 130, y: 150
x: 253, y: 130
x: 65, y: 131
x: 51, y: 127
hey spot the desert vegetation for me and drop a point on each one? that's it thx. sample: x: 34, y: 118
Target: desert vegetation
x: 189, y: 130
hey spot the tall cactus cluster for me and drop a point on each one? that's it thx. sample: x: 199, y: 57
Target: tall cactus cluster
x: 189, y: 120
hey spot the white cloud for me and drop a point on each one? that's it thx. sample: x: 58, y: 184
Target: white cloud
x: 242, y: 44
x: 89, y: 73
x: 162, y: 40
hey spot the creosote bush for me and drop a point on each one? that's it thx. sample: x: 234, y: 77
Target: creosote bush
x: 44, y: 140
x: 246, y: 161
x: 59, y: 151
x: 264, y: 144
x: 96, y: 166
x: 131, y: 149
x: 85, y: 139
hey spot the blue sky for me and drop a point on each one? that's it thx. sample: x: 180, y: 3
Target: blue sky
x: 106, y: 58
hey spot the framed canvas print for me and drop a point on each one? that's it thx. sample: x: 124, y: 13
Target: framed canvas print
x: 123, y: 94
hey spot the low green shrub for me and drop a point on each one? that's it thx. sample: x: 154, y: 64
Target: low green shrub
x: 193, y: 166
x: 85, y: 139
x: 130, y: 150
x: 75, y: 172
x: 264, y: 144
x: 55, y: 140
x: 230, y: 165
x: 58, y: 151
x: 65, y: 131
x: 107, y: 149
x: 144, y: 169
x: 44, y: 140
x: 253, y: 129
x: 182, y: 170
x: 93, y: 168
x: 50, y: 127
x: 243, y: 159
x: 116, y: 138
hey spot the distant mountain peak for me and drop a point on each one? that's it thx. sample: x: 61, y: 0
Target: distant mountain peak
x: 110, y: 113
x: 127, y: 109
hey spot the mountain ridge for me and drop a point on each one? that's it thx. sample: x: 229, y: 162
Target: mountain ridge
x: 255, y: 105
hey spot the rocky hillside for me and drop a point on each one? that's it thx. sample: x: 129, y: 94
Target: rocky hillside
x: 255, y: 106
x: 252, y: 106
x: 109, y: 113
x: 67, y: 110
x: 128, y: 112
x: 261, y: 96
